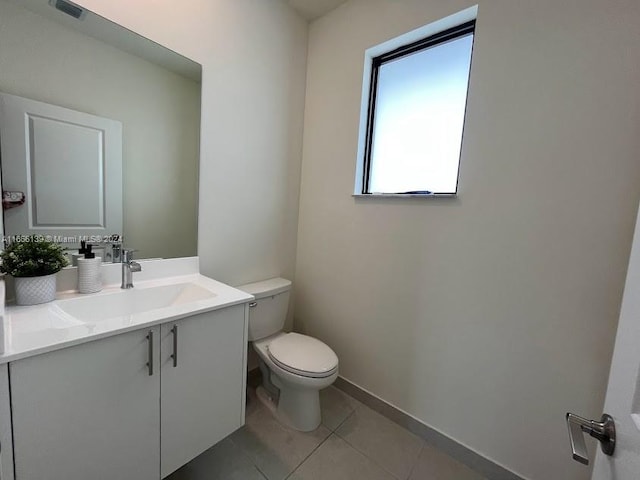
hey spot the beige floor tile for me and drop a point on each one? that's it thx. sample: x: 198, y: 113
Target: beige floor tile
x: 337, y: 460
x: 436, y: 465
x: 276, y: 450
x: 365, y: 446
x: 224, y: 461
x: 336, y: 407
x: 391, y: 446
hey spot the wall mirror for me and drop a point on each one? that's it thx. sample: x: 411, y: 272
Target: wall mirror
x: 99, y: 133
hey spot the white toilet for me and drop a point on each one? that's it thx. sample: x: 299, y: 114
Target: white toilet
x: 294, y: 367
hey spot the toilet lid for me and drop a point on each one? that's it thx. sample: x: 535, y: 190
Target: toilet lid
x: 303, y: 355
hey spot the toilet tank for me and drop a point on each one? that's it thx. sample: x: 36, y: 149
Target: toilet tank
x: 268, y: 312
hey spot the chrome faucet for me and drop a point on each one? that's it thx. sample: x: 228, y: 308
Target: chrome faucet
x: 128, y: 268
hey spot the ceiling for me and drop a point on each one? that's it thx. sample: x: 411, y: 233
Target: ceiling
x: 312, y: 9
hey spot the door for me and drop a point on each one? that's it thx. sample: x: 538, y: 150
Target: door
x: 203, y: 383
x: 67, y: 164
x: 89, y: 412
x: 623, y: 393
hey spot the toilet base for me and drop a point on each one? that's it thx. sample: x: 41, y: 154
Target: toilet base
x: 293, y: 399
x: 297, y: 409
x: 267, y: 400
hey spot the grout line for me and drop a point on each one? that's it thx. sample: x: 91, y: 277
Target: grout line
x: 332, y: 431
x: 248, y: 457
x: 310, y: 453
x: 415, y: 464
x: 239, y: 448
x: 367, y: 456
x: 262, y: 474
x: 344, y: 421
x: 478, y: 463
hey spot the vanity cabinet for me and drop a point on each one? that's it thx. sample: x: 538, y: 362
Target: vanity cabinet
x: 202, y: 386
x: 90, y: 411
x: 136, y: 405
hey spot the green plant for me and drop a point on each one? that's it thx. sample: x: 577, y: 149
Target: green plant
x: 33, y: 257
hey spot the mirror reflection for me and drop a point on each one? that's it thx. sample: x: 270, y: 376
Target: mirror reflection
x: 99, y: 133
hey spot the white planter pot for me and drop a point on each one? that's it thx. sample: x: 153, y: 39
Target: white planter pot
x: 35, y: 290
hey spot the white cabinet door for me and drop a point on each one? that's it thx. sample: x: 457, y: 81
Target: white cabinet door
x: 89, y: 412
x: 203, y: 383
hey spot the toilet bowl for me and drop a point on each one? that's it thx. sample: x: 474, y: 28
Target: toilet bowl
x: 294, y: 367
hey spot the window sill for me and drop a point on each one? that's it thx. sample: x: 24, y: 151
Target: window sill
x: 405, y: 195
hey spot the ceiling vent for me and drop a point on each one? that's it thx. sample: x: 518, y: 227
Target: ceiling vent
x: 68, y: 8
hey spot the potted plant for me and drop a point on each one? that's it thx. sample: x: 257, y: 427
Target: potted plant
x: 33, y: 263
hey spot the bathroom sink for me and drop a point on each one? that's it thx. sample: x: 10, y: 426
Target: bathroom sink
x: 133, y: 301
x: 166, y: 291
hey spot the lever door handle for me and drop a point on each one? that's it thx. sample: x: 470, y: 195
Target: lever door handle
x: 604, y: 431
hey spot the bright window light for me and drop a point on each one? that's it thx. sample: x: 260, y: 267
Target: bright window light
x: 416, y: 115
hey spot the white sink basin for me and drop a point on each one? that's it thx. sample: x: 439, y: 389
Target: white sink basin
x: 133, y: 301
x: 166, y: 291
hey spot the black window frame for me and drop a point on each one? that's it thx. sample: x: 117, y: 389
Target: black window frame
x: 431, y: 41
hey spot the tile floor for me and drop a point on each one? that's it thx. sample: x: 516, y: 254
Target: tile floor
x: 353, y: 443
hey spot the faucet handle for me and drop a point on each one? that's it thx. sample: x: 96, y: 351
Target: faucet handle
x: 127, y: 254
x: 116, y: 252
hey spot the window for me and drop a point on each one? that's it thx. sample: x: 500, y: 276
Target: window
x: 415, y: 115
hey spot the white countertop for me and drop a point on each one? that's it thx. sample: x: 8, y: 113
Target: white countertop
x: 38, y: 329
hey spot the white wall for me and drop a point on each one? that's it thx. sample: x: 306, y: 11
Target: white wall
x: 253, y: 54
x: 160, y: 111
x: 490, y: 315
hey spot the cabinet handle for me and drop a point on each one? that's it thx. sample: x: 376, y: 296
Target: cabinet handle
x: 174, y: 330
x: 150, y: 352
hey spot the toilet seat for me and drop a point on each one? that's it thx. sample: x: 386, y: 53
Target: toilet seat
x: 303, y: 355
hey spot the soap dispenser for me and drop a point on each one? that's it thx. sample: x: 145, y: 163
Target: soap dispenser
x: 79, y: 254
x: 89, y: 277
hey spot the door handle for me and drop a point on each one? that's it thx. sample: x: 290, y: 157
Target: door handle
x: 604, y: 431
